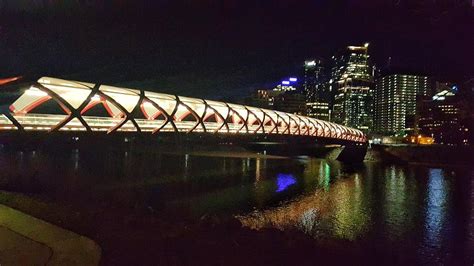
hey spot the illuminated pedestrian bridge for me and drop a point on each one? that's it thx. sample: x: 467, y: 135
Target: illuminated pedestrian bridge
x: 52, y: 104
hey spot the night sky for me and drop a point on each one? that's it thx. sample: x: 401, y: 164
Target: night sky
x: 222, y: 49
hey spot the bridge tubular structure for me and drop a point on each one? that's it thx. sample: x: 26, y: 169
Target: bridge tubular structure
x: 52, y: 104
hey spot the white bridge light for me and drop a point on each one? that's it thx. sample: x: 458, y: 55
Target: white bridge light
x: 95, y: 98
x: 33, y: 91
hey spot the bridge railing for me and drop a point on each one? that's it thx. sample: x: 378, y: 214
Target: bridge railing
x: 142, y: 111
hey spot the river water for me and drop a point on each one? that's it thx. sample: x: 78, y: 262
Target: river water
x: 421, y: 211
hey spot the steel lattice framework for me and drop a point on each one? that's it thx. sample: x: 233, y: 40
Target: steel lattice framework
x: 144, y: 111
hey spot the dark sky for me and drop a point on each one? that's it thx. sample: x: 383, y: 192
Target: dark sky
x: 219, y: 49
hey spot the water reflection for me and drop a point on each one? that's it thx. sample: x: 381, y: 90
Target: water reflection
x: 436, y: 206
x: 343, y: 211
x: 409, y: 209
x: 284, y: 181
x: 258, y: 170
x: 399, y: 202
x: 75, y: 159
x: 186, y: 166
x: 470, y: 217
x: 324, y: 175
x: 391, y: 205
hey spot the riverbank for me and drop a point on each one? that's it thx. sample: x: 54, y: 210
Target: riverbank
x: 26, y: 240
x: 440, y: 155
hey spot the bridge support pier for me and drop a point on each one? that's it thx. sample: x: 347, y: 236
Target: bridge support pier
x: 353, y: 153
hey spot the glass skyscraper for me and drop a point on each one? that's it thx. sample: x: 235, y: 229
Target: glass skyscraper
x: 316, y: 90
x: 352, y: 84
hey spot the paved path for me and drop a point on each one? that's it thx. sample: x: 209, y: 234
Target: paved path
x: 26, y: 240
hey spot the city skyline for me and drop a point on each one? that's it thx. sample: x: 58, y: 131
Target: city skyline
x: 350, y: 90
x: 183, y: 50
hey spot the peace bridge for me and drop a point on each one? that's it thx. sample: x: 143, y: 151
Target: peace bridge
x: 57, y: 105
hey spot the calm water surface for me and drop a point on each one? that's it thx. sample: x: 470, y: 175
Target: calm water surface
x: 426, y: 212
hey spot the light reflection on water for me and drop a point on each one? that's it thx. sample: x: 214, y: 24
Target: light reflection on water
x: 435, y: 205
x: 284, y: 181
x: 416, y: 209
x: 470, y: 204
x: 340, y: 208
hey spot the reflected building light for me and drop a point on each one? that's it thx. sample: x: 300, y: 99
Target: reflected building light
x: 397, y: 202
x: 186, y: 165
x: 393, y: 175
x: 327, y: 176
x: 186, y: 160
x: 257, y: 170
x: 21, y: 159
x: 308, y: 220
x: 435, y: 209
x: 324, y: 175
x: 357, y: 189
x: 471, y: 213
x: 321, y: 173
x: 75, y: 158
x: 357, y: 181
x: 284, y: 181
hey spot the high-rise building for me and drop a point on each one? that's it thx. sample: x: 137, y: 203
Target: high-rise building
x: 446, y: 117
x: 287, y: 97
x: 290, y: 102
x: 263, y: 98
x: 289, y: 84
x: 395, y: 102
x: 319, y: 110
x: 316, y: 89
x: 283, y: 97
x: 352, y: 84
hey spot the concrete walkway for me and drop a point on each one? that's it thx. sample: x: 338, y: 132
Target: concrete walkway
x: 26, y: 240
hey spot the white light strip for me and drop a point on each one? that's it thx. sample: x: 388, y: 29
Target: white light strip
x: 33, y: 91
